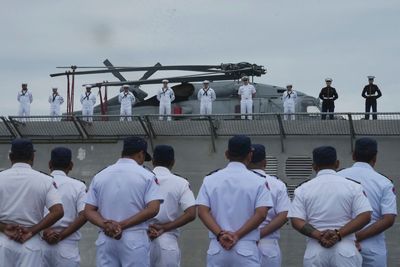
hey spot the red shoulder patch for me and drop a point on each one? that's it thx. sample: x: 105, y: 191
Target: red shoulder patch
x: 156, y: 180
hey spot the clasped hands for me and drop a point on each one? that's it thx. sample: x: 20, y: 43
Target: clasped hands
x: 227, y: 239
x: 155, y: 230
x: 112, y: 229
x: 328, y: 238
x: 17, y: 233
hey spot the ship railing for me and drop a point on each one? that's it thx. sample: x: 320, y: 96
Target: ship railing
x: 107, y: 128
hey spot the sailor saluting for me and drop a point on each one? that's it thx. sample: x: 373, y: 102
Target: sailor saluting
x: 88, y: 100
x: 206, y: 95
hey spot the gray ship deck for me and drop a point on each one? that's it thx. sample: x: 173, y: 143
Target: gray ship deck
x: 199, y: 144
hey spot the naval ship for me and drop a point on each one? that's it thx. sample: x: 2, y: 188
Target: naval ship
x: 200, y: 143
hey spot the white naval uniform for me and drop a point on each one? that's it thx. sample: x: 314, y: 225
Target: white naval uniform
x: 165, y: 96
x: 289, y: 99
x: 232, y: 194
x: 329, y: 201
x: 269, y: 245
x: 206, y: 98
x: 177, y: 196
x: 88, y: 100
x: 119, y: 192
x: 126, y: 100
x: 380, y: 193
x: 25, y: 99
x: 24, y: 194
x: 73, y: 194
x: 55, y: 103
x: 246, y: 101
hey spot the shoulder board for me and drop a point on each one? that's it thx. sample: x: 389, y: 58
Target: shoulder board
x: 386, y: 177
x: 352, y: 180
x: 45, y: 173
x: 213, y: 172
x: 148, y: 169
x: 300, y: 184
x: 78, y: 180
x: 259, y: 174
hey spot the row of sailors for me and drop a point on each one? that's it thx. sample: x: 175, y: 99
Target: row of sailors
x: 206, y: 96
x: 139, y: 212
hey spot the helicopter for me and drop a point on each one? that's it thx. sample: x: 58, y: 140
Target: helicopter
x: 224, y: 79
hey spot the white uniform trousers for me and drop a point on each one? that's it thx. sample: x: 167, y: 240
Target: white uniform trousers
x: 54, y: 112
x: 246, y: 107
x: 132, y: 250
x: 28, y: 254
x: 165, y: 109
x: 343, y: 254
x: 87, y: 113
x: 164, y: 251
x: 374, y: 253
x: 205, y: 108
x: 63, y: 254
x: 126, y: 112
x: 24, y: 109
x: 288, y: 110
x: 244, y: 253
x: 270, y: 253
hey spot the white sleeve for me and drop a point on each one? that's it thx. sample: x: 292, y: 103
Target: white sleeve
x: 119, y: 98
x: 297, y: 208
x: 82, y: 97
x: 133, y: 99
x: 264, y: 196
x: 253, y: 89
x: 50, y: 99
x: 240, y: 91
x: 94, y: 99
x: 152, y: 191
x: 203, y: 198
x: 360, y: 201
x: 187, y: 198
x: 18, y: 96
x: 159, y: 95
x: 282, y: 201
x: 80, y: 201
x: 61, y: 100
x: 199, y: 95
x: 52, y: 196
x: 172, y: 95
x: 213, y: 95
x: 388, y: 200
x: 92, y: 196
x: 30, y: 97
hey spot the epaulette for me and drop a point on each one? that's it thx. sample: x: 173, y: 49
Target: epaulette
x: 300, y: 184
x: 259, y: 174
x: 352, y: 180
x: 45, y: 173
x: 148, y: 169
x: 79, y: 180
x: 386, y: 177
x: 213, y: 172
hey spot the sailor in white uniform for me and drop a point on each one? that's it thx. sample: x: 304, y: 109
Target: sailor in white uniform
x: 246, y: 92
x: 55, y: 101
x: 277, y: 215
x: 380, y: 193
x: 25, y: 99
x: 120, y: 201
x: 232, y: 203
x: 165, y: 96
x: 24, y: 194
x: 177, y: 210
x: 329, y: 209
x: 206, y: 95
x: 289, y: 99
x: 88, y: 100
x: 127, y: 99
x: 62, y: 238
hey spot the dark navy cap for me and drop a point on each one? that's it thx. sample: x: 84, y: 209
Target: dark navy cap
x: 258, y: 153
x: 164, y: 153
x: 324, y: 155
x: 61, y: 155
x: 136, y: 144
x: 366, y: 144
x: 239, y: 145
x: 21, y: 145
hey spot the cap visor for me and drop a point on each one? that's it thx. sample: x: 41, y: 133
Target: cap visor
x: 148, y: 157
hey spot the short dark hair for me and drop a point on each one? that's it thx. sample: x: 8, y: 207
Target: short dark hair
x: 366, y: 155
x: 365, y: 149
x: 237, y: 158
x: 21, y: 156
x: 61, y: 165
x: 324, y: 156
x: 163, y: 163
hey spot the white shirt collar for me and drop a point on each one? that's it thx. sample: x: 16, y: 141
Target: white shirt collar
x: 326, y: 171
x: 236, y: 165
x: 58, y: 172
x: 362, y: 165
x: 260, y: 171
x: 127, y: 161
x: 160, y: 170
x: 21, y: 165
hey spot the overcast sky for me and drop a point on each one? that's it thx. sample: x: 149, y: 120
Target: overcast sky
x: 299, y: 42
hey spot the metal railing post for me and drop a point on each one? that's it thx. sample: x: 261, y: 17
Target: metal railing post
x: 213, y: 133
x: 140, y: 118
x: 281, y: 131
x: 352, y: 131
